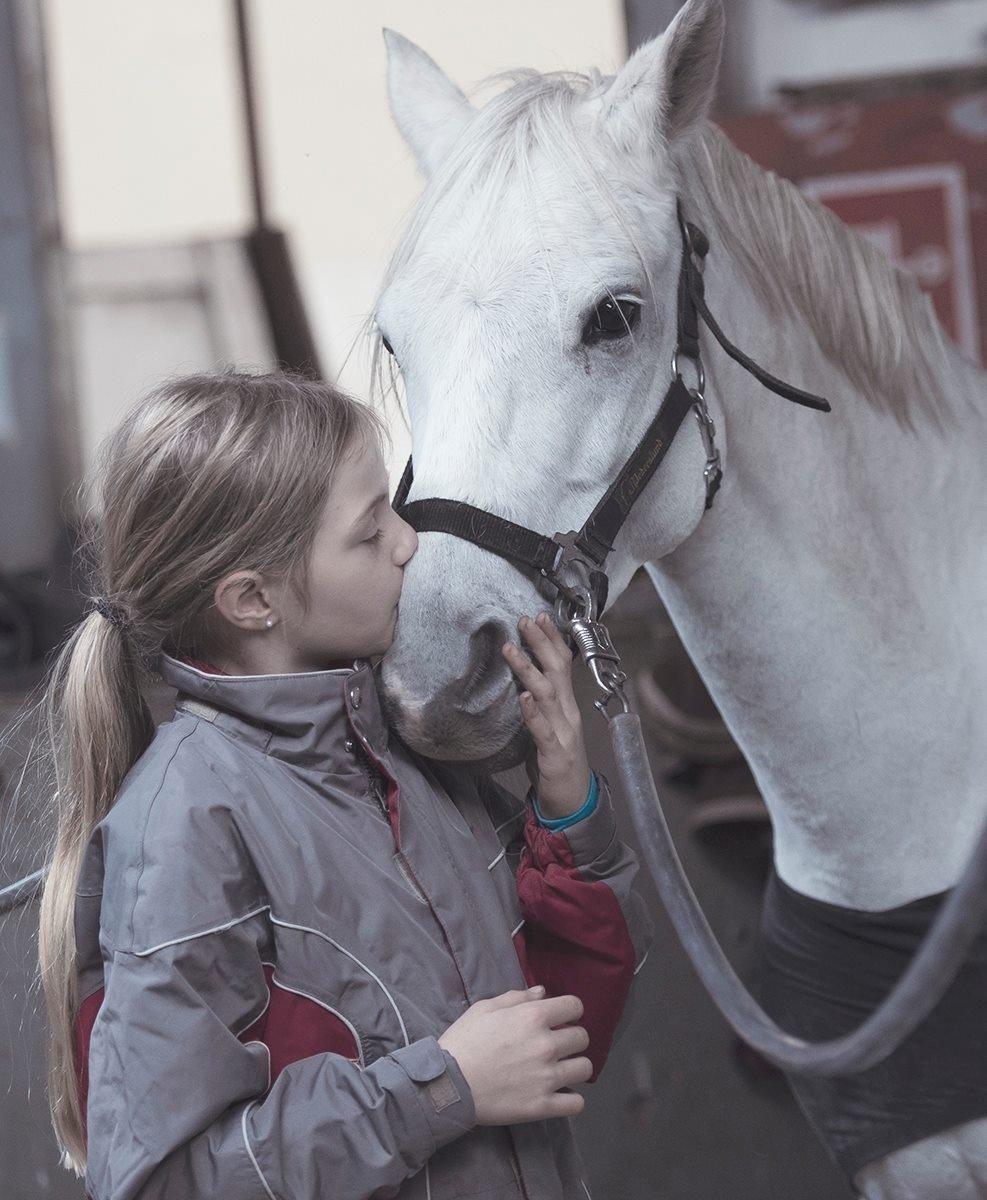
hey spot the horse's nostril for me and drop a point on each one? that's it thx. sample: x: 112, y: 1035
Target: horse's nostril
x: 486, y: 663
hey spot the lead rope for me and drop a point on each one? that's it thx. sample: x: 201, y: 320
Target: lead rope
x: 925, y: 980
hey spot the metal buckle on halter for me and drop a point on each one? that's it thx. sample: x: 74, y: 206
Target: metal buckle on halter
x: 712, y: 472
x: 570, y: 576
x: 575, y: 600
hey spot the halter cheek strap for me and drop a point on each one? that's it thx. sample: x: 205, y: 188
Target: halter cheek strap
x: 584, y: 552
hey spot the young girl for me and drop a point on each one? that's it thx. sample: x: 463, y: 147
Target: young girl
x: 284, y: 957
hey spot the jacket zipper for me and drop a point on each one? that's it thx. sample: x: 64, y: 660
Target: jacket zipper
x: 377, y: 789
x: 375, y: 785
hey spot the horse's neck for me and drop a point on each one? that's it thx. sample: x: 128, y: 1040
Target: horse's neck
x: 834, y: 602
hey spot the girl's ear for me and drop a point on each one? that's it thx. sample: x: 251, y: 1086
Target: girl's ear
x: 427, y: 107
x: 242, y: 599
x: 667, y: 85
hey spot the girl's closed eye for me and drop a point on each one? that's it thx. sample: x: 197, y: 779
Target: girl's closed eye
x: 374, y: 537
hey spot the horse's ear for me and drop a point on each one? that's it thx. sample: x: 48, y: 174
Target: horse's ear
x: 429, y: 109
x: 668, y: 84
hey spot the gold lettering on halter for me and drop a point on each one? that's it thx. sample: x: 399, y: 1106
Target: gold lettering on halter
x: 632, y: 480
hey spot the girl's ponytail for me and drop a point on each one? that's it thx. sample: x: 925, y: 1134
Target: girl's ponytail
x: 99, y: 725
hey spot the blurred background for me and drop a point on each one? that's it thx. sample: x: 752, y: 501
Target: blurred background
x: 189, y: 184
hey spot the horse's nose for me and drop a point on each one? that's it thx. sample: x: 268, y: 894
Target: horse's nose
x: 487, y: 676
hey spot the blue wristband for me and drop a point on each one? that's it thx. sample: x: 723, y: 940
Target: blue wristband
x: 588, y: 808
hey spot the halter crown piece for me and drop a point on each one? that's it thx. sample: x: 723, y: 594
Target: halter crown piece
x: 580, y: 555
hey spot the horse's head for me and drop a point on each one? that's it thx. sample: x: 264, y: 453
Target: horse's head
x: 531, y: 310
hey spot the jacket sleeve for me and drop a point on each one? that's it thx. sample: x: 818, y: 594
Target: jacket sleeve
x: 586, y: 929
x: 180, y: 1104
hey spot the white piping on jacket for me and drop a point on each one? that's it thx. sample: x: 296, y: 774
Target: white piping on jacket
x: 490, y: 866
x: 342, y: 949
x: 202, y: 932
x: 517, y: 927
x: 329, y: 1009
x: 376, y: 978
x: 254, y: 1042
x: 642, y: 962
x: 246, y: 1142
x: 235, y: 678
x: 510, y: 819
x: 305, y: 995
x: 254, y: 1020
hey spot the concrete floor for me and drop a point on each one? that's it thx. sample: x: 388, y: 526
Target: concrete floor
x: 680, y: 1112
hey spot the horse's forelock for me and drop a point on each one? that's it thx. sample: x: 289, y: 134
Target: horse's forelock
x: 536, y: 112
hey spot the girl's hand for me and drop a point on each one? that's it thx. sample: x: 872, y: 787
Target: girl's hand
x: 551, y: 714
x: 519, y: 1052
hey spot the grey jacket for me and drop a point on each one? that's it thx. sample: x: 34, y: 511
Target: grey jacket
x: 283, y: 910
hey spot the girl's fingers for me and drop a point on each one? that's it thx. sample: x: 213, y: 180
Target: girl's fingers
x: 542, y: 688
x: 554, y: 634
x: 547, y: 642
x: 536, y: 634
x: 541, y: 728
x: 571, y: 1072
x: 569, y: 1040
x: 562, y: 1104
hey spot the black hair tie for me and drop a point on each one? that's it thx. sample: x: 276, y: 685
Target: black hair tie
x: 111, y: 612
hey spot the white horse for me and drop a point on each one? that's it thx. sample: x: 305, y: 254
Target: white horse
x: 833, y: 598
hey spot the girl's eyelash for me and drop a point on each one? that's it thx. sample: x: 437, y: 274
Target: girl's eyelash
x: 376, y: 537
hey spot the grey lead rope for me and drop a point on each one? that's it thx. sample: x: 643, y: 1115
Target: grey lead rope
x: 920, y: 988
x: 23, y: 890
x: 925, y: 980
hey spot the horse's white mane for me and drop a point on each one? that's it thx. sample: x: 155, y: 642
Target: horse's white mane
x: 869, y: 317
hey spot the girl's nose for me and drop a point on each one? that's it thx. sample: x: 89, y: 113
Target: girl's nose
x: 407, y: 544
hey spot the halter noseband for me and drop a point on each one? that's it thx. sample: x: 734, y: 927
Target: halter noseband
x: 581, y: 554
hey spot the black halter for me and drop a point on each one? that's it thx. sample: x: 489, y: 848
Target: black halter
x: 585, y: 551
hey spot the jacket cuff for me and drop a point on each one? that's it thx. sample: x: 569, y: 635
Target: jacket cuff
x: 441, y: 1094
x: 590, y: 838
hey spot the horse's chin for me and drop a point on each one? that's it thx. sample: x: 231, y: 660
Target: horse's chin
x: 468, y: 745
x: 515, y: 752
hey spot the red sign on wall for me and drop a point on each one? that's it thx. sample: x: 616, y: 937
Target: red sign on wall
x: 910, y: 175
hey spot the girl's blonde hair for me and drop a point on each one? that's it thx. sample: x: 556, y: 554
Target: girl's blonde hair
x: 207, y: 475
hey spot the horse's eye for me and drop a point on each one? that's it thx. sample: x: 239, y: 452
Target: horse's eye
x: 612, y: 318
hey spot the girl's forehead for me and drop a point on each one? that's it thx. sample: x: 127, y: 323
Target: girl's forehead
x: 359, y: 478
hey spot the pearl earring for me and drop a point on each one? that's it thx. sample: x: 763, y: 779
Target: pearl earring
x: 269, y: 622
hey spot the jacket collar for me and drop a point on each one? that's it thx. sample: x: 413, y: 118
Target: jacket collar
x: 304, y: 717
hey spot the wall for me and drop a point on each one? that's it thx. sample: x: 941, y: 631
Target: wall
x: 148, y: 139
x: 779, y: 42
